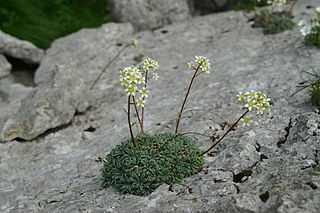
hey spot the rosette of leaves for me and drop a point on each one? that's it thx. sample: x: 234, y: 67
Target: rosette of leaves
x: 278, y: 24
x: 275, y: 22
x: 139, y: 170
x: 313, y: 86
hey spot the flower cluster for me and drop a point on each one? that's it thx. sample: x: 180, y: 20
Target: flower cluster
x: 307, y: 29
x: 201, y: 63
x: 134, y: 43
x: 254, y: 100
x: 134, y: 79
x: 277, y: 4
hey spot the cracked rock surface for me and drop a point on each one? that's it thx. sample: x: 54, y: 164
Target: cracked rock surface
x: 271, y: 166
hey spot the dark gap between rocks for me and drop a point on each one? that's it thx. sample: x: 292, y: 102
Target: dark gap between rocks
x: 90, y: 129
x: 22, y: 72
x: 287, y: 129
x: 242, y: 176
x: 46, y: 133
x: 312, y: 185
x: 262, y: 157
x: 264, y: 197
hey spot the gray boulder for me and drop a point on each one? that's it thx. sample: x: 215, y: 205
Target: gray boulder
x: 64, y: 77
x: 151, y: 14
x: 5, y: 66
x: 20, y: 49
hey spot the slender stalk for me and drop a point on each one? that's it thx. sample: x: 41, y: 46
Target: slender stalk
x: 231, y: 128
x: 142, y: 110
x: 108, y: 64
x: 129, y: 121
x: 196, y: 133
x: 186, y: 97
x: 292, y: 5
x: 137, y: 113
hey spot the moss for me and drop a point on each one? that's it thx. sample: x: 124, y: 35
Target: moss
x: 163, y: 158
x: 41, y: 21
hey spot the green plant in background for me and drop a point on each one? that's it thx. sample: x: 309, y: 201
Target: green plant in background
x: 311, y: 32
x: 275, y: 20
x: 140, y: 169
x: 250, y: 4
x: 278, y: 24
x: 142, y: 163
x: 41, y: 21
x: 138, y: 58
x: 313, y: 86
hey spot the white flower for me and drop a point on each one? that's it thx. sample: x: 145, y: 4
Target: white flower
x: 255, y: 100
x: 305, y: 30
x: 203, y: 63
x: 131, y: 90
x: 241, y: 97
x: 141, y: 102
x: 144, y: 92
x: 150, y: 63
x: 277, y: 4
x: 155, y: 76
x: 251, y: 95
x: 191, y: 64
x: 134, y: 43
x: 250, y: 105
x: 318, y: 9
x: 302, y: 23
x: 246, y: 121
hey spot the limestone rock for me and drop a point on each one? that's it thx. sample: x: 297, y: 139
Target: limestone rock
x: 151, y: 14
x: 20, y: 49
x: 5, y: 66
x: 11, y: 95
x: 66, y: 73
x: 78, y: 50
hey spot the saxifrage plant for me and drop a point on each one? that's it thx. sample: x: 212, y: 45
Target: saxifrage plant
x: 312, y: 84
x: 275, y: 20
x: 311, y: 32
x: 139, y: 169
x: 143, y: 162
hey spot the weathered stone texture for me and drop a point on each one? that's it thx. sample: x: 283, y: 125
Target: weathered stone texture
x: 151, y: 14
x: 20, y: 49
x: 64, y: 78
x: 5, y: 66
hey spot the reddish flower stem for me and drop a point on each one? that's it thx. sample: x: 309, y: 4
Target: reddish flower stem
x: 225, y: 134
x: 129, y: 121
x: 137, y: 112
x: 142, y: 110
x: 109, y: 63
x: 186, y: 97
